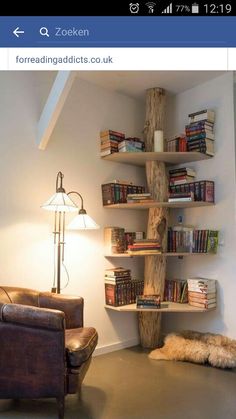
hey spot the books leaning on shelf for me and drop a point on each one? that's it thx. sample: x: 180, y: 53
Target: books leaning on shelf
x: 116, y: 192
x: 145, y: 246
x: 202, y: 292
x: 176, y: 290
x: 120, y: 288
x: 148, y: 301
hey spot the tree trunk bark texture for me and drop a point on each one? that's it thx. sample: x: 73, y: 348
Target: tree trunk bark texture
x: 157, y: 181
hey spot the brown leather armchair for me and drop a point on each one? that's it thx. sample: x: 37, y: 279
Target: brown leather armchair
x: 44, y: 349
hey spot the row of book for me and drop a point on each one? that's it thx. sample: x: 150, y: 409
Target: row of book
x: 190, y: 240
x: 203, y: 190
x: 114, y: 142
x: 176, y: 143
x: 116, y: 192
x: 202, y: 292
x: 120, y: 288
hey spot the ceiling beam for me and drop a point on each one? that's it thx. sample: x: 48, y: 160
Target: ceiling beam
x: 53, y: 107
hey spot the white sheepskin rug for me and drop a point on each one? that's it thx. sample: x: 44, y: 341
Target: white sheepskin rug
x: 219, y: 351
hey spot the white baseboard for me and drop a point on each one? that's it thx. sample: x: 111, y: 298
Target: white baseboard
x: 116, y: 346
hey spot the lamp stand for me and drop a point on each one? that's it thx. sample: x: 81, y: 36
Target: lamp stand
x: 59, y: 242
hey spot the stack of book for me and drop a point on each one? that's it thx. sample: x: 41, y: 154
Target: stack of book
x: 131, y: 145
x: 176, y: 143
x: 148, y: 301
x: 176, y: 290
x: 131, y: 236
x: 202, y: 292
x: 199, y: 132
x: 120, y: 288
x: 139, y: 198
x: 109, y: 141
x: 145, y: 246
x: 181, y: 197
x: 181, y: 175
x: 114, y: 240
x: 117, y: 191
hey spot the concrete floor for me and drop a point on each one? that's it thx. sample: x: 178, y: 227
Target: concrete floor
x: 127, y: 385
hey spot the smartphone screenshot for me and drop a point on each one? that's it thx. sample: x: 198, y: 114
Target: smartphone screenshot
x: 117, y: 212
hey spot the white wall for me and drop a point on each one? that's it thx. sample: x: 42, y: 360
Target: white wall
x: 27, y: 178
x: 216, y: 94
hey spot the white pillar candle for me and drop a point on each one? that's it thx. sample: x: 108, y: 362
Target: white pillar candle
x: 158, y: 141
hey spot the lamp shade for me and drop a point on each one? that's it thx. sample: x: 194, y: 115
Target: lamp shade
x: 60, y: 201
x: 82, y: 222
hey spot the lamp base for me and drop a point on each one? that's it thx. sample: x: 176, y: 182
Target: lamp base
x: 54, y: 289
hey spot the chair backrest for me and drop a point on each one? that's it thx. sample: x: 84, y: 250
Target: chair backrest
x: 18, y: 295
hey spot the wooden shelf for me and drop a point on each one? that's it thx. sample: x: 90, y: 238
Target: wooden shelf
x: 140, y: 158
x: 144, y: 206
x: 166, y: 308
x: 178, y: 254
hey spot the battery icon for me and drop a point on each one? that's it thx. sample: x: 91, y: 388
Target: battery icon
x: 195, y: 8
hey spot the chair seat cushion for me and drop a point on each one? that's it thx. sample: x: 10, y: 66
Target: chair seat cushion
x: 80, y: 344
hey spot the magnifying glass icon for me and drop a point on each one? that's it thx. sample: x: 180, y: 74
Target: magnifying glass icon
x: 44, y: 31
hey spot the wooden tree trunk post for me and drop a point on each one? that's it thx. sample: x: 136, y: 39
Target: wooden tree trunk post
x: 157, y: 180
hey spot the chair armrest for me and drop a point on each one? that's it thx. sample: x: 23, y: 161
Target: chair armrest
x: 33, y: 316
x: 72, y: 306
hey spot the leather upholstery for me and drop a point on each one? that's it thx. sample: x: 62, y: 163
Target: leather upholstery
x: 44, y: 349
x: 79, y: 345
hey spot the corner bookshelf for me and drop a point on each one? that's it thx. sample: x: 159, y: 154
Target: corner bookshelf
x: 157, y: 180
x: 139, y: 159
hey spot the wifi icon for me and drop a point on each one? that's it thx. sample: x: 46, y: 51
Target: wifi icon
x: 151, y: 7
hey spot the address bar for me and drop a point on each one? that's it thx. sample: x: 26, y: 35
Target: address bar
x: 116, y: 59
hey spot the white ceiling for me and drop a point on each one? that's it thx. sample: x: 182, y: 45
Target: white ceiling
x: 135, y: 83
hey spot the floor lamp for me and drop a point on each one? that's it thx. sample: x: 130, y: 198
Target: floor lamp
x: 61, y: 203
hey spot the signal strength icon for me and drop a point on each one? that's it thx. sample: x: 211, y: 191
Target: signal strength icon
x: 168, y: 10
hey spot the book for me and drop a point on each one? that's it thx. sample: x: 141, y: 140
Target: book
x: 202, y: 305
x: 212, y: 242
x: 109, y: 132
x: 148, y: 301
x: 114, y: 240
x: 205, y: 114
